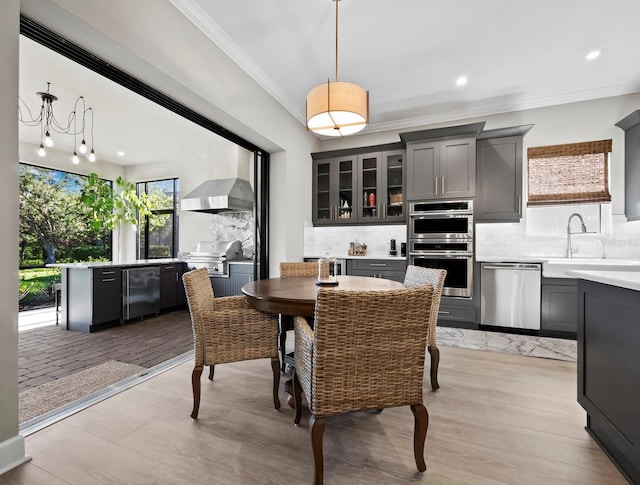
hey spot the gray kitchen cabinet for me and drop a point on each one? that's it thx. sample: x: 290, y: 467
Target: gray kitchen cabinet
x: 631, y: 126
x: 239, y: 275
x: 93, y: 298
x: 380, y: 179
x: 171, y: 287
x: 454, y: 311
x: 441, y: 169
x: 499, y: 174
x: 559, y: 307
x: 377, y: 268
x: 441, y: 163
x: 359, y: 188
x: 334, y: 190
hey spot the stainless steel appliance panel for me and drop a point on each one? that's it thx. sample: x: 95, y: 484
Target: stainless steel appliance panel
x: 459, y: 279
x: 140, y: 291
x: 510, y: 295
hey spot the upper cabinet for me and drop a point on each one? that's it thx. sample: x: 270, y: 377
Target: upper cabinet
x: 631, y: 127
x: 365, y: 188
x: 499, y: 175
x: 441, y: 163
x: 334, y: 190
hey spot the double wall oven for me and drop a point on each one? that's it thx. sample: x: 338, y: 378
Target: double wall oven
x: 440, y: 235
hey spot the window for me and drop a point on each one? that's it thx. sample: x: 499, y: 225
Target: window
x: 54, y: 225
x: 158, y: 233
x: 574, y: 173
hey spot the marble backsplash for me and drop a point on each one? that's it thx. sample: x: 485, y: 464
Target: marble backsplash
x: 234, y: 225
x: 335, y: 240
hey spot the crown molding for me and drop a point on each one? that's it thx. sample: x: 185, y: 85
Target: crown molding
x: 213, y: 32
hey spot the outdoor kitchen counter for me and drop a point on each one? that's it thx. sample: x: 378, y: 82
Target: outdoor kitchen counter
x: 107, y: 264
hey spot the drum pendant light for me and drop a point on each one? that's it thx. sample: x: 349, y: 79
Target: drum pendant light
x: 337, y: 108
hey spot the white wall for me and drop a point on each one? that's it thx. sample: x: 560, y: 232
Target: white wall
x: 11, y: 444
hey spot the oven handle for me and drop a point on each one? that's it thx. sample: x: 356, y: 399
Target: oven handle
x: 440, y: 215
x: 442, y: 254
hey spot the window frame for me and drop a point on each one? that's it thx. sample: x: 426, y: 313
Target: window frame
x: 143, y: 187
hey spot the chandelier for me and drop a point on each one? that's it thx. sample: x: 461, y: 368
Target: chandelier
x: 76, y: 125
x: 337, y: 108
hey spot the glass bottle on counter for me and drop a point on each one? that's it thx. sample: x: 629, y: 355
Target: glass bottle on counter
x: 327, y: 271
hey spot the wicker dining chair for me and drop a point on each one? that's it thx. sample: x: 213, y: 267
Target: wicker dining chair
x: 365, y: 352
x: 288, y: 270
x: 225, y: 330
x: 418, y: 276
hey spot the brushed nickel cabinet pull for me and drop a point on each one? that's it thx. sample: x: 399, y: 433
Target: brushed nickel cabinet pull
x: 442, y: 185
x: 442, y: 312
x: 436, y: 185
x: 383, y: 265
x: 519, y: 206
x: 106, y: 280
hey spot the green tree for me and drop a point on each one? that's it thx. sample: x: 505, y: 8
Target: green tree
x: 50, y: 212
x: 109, y: 207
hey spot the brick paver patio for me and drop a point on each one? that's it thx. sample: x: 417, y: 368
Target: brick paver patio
x: 50, y: 352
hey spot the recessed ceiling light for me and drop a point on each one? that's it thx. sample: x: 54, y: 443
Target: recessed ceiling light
x: 462, y: 80
x: 594, y: 54
x: 121, y: 153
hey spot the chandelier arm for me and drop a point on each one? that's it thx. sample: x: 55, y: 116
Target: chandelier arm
x: 91, y: 110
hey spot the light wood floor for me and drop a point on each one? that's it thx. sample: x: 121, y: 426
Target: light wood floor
x: 497, y: 419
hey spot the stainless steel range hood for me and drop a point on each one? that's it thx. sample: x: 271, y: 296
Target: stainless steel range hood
x: 222, y: 195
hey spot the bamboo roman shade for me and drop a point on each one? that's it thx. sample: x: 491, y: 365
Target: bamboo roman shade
x: 575, y: 173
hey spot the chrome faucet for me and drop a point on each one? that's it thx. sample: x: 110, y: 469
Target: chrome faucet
x: 583, y: 227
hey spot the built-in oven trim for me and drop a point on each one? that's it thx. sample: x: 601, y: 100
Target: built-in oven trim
x: 423, y: 207
x: 448, y: 290
x: 468, y: 234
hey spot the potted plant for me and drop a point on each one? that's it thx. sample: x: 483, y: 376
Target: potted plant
x: 110, y: 206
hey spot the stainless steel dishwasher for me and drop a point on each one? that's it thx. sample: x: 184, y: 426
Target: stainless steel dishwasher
x: 510, y: 295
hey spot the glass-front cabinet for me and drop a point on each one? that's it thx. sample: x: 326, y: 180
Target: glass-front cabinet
x: 360, y: 189
x: 334, y: 190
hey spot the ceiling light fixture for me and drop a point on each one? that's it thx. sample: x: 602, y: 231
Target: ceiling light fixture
x: 337, y: 108
x: 594, y: 54
x: 48, y: 122
x: 462, y: 80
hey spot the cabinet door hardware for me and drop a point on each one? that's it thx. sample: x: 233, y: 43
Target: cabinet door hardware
x: 106, y: 280
x: 442, y: 312
x: 108, y: 272
x: 519, y: 206
x: 442, y: 185
x: 436, y: 185
x: 384, y: 265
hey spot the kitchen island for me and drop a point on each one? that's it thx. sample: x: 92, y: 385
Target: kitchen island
x: 97, y: 295
x: 609, y: 363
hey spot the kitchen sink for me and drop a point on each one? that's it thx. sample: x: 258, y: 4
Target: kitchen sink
x: 557, y: 267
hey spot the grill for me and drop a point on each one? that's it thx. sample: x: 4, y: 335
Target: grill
x: 214, y: 256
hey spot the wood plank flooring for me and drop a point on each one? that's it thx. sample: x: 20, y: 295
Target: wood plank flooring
x: 497, y: 419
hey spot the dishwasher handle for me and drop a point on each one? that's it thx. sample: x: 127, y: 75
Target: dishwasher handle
x: 514, y: 267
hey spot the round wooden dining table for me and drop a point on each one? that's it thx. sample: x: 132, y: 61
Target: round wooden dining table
x: 296, y: 296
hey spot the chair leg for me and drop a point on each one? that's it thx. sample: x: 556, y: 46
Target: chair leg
x: 297, y: 396
x: 317, y: 426
x: 284, y: 325
x: 195, y: 384
x: 275, y: 366
x: 421, y: 423
x: 211, y: 369
x: 434, y: 352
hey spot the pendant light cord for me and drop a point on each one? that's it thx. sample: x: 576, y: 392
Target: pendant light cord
x: 336, y: 38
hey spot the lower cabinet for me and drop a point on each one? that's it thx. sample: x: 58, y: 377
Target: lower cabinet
x: 93, y: 298
x: 239, y: 275
x: 171, y: 287
x: 456, y: 311
x: 559, y: 307
x: 377, y: 268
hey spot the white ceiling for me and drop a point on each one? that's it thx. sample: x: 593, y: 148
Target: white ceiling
x: 124, y: 121
x: 406, y: 53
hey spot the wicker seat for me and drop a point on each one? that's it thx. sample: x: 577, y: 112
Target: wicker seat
x: 365, y: 352
x: 288, y: 270
x: 227, y: 330
x: 418, y: 276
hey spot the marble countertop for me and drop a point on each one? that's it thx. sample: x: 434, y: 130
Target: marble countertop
x: 385, y: 257
x: 513, y: 259
x: 623, y: 279
x: 103, y: 264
